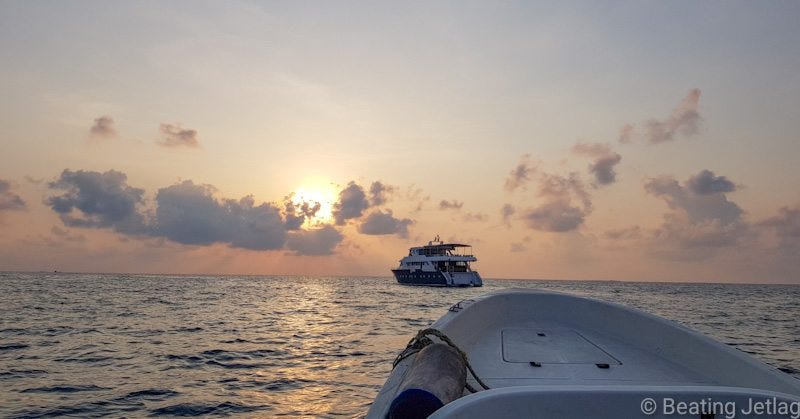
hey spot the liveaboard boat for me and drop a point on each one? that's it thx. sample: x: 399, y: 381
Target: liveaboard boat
x: 540, y: 354
x: 438, y: 264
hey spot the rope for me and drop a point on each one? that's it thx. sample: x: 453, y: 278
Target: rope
x: 422, y: 340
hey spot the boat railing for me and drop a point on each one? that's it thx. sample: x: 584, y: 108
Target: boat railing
x: 456, y: 255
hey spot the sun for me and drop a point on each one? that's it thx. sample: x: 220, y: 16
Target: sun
x: 321, y: 192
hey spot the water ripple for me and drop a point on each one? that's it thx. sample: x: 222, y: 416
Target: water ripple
x: 200, y: 409
x: 63, y: 389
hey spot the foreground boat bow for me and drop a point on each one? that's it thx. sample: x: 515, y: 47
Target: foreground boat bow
x: 546, y: 354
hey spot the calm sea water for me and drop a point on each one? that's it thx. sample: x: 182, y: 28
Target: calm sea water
x: 145, y: 345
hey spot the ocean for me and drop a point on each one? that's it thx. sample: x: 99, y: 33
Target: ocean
x: 91, y: 345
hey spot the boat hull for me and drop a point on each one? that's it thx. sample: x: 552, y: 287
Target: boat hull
x: 437, y: 279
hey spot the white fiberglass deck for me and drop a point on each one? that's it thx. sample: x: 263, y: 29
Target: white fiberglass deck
x: 546, y: 353
x: 537, y: 342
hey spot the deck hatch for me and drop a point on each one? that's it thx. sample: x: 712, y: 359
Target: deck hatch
x: 552, y: 346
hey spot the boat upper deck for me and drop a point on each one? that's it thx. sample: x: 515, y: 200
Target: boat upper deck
x: 442, y: 249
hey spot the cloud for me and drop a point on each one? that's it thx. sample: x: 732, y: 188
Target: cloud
x: 186, y: 213
x: 34, y: 181
x: 316, y: 242
x: 603, y: 169
x: 685, y: 120
x: 450, y: 205
x: 626, y: 134
x: 681, y: 238
x: 520, y: 175
x: 698, y: 207
x: 628, y: 233
x: 565, y: 203
x: 559, y: 213
x: 297, y: 213
x: 591, y: 149
x: 10, y: 201
x: 66, y: 235
x: 475, y: 217
x: 175, y: 136
x: 701, y: 220
x: 380, y: 223
x: 506, y: 212
x: 103, y: 128
x: 98, y: 200
x: 415, y: 194
x: 604, y: 161
x: 555, y: 216
x: 189, y: 214
x: 559, y: 187
x: 351, y: 204
x: 379, y: 193
x: 705, y: 183
x: 787, y: 228
x: 517, y: 247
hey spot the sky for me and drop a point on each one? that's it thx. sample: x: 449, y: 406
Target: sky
x: 639, y: 141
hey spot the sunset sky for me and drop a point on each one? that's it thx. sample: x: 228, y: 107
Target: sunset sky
x: 577, y: 140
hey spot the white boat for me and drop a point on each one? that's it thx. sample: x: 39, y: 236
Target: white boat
x: 553, y: 355
x: 438, y: 264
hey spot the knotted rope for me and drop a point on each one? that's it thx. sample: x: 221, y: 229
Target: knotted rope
x: 422, y: 340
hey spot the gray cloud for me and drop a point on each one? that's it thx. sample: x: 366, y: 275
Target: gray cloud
x: 628, y: 233
x: 190, y: 214
x: 685, y: 120
x: 557, y: 213
x: 700, y: 223
x: 185, y: 213
x: 448, y: 205
x: 66, y: 235
x: 351, y: 204
x: 604, y: 161
x: 520, y: 175
x: 787, y: 228
x: 380, y: 223
x: 680, y: 238
x: 603, y: 169
x: 415, y: 194
x: 626, y: 134
x: 10, y: 201
x: 506, y: 212
x: 317, y: 242
x: 558, y: 187
x: 698, y: 207
x: 33, y: 180
x: 475, y: 217
x: 297, y: 213
x: 705, y: 183
x: 98, y: 200
x: 591, y: 149
x: 103, y: 128
x: 555, y: 216
x: 175, y: 136
x: 379, y: 193
x: 517, y: 247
